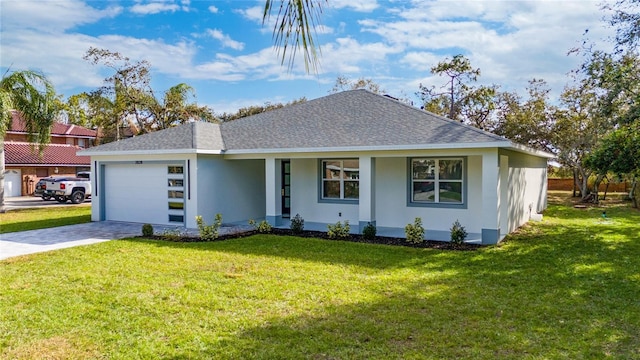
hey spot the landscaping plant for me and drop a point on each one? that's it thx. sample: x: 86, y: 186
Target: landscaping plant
x: 297, y: 224
x: 369, y: 231
x: 338, y: 231
x: 209, y: 232
x: 414, y: 232
x: 458, y: 233
x: 147, y: 230
x: 263, y: 227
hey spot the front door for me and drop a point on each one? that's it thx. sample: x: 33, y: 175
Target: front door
x: 285, y: 191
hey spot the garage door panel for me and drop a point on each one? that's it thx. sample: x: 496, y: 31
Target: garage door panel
x: 136, y: 193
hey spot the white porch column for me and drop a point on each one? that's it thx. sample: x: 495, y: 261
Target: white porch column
x: 367, y: 192
x: 490, y: 197
x: 273, y: 210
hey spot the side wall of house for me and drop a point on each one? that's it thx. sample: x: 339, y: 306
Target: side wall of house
x: 233, y: 188
x: 526, y: 187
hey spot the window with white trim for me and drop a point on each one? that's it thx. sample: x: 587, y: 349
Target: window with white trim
x: 437, y: 180
x: 341, y: 179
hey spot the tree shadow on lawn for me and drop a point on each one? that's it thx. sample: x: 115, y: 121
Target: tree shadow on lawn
x: 557, y: 289
x: 44, y: 224
x: 452, y: 316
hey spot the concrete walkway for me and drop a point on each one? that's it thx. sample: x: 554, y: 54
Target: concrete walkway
x: 35, y: 241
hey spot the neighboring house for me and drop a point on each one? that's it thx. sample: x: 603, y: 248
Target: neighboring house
x: 353, y: 156
x: 24, y: 165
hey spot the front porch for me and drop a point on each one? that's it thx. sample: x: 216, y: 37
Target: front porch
x: 386, y: 194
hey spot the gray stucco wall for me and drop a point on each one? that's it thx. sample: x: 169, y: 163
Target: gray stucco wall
x: 234, y: 188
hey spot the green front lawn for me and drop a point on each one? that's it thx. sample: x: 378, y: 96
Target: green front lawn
x: 43, y: 218
x: 567, y: 287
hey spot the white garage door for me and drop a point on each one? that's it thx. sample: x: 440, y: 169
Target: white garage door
x: 12, y: 183
x: 140, y: 193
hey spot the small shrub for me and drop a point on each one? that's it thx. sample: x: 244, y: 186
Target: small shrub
x: 415, y: 231
x: 262, y: 227
x: 297, y: 224
x: 458, y: 233
x: 369, y: 231
x: 171, y: 234
x: 338, y: 231
x: 147, y: 230
x: 209, y: 232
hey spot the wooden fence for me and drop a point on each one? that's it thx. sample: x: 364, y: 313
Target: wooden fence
x: 567, y: 185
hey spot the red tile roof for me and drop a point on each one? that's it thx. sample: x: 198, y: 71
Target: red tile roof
x: 18, y: 125
x: 22, y: 153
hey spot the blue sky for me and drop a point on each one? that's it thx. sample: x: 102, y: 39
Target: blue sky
x: 222, y: 49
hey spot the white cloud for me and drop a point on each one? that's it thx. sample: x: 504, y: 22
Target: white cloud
x: 253, y: 13
x: 153, y: 8
x: 213, y: 9
x: 51, y: 16
x: 356, y: 5
x: 347, y: 55
x: 225, y: 39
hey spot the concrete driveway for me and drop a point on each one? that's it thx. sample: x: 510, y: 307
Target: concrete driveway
x: 34, y: 241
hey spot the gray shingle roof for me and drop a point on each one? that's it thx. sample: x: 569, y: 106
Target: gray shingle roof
x: 190, y: 136
x: 350, y: 119
x: 356, y: 118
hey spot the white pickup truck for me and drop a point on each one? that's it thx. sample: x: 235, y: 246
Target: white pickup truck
x: 74, y: 189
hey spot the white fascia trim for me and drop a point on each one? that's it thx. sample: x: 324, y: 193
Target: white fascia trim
x: 141, y: 152
x: 373, y: 148
x: 527, y: 150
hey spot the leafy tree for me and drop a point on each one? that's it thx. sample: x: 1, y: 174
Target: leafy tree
x: 459, y: 100
x: 295, y: 22
x: 619, y: 152
x: 528, y: 122
x: 343, y: 83
x: 626, y: 20
x: 33, y: 96
x: 577, y: 130
x: 126, y: 89
x: 253, y: 110
x: 128, y: 97
x: 175, y: 109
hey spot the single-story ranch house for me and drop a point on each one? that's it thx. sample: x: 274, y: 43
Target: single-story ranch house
x: 354, y: 156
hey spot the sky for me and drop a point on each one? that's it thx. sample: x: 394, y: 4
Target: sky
x: 225, y: 52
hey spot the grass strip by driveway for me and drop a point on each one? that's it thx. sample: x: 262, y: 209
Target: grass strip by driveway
x: 42, y: 218
x: 567, y: 287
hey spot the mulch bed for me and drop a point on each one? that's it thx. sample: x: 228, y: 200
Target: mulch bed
x: 381, y: 240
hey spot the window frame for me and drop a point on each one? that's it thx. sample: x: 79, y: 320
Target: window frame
x: 437, y: 181
x: 342, y: 180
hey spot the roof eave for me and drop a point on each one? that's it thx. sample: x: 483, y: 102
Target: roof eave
x: 147, y: 152
x: 371, y: 148
x: 531, y: 151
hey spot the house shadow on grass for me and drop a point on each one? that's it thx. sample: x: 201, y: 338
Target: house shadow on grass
x: 312, y: 249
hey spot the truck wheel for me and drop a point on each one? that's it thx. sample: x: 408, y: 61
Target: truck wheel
x: 61, y: 199
x: 46, y: 197
x: 77, y: 197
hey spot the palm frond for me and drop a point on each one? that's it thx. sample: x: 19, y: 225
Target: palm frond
x: 294, y: 30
